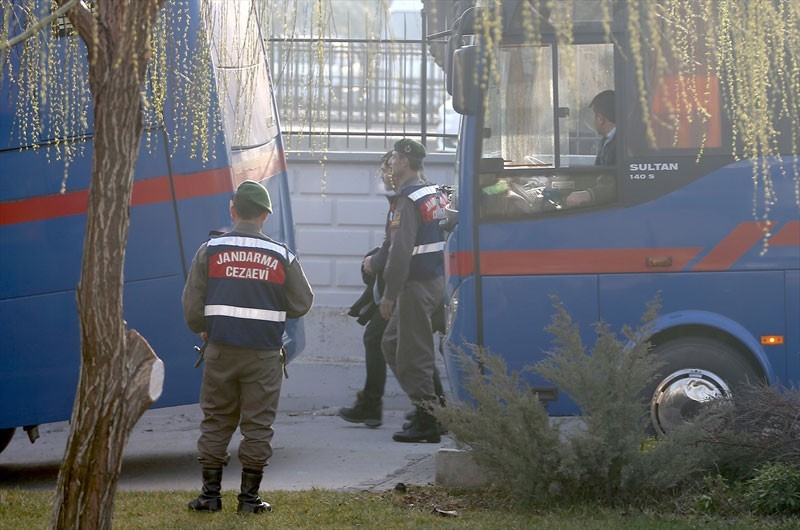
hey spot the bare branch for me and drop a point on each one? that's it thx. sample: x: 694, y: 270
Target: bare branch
x: 66, y: 6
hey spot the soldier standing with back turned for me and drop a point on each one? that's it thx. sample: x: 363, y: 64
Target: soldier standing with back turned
x: 241, y: 288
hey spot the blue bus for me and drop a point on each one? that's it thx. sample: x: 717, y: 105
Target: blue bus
x: 654, y: 219
x: 177, y: 201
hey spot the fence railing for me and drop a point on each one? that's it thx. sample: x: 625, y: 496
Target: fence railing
x: 360, y: 94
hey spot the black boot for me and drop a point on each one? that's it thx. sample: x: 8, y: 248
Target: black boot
x: 411, y: 419
x: 366, y: 410
x: 210, y: 499
x: 423, y: 428
x: 249, y: 501
x: 439, y: 391
x: 411, y: 416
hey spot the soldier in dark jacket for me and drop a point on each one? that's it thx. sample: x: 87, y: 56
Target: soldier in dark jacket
x: 414, y: 278
x: 368, y: 408
x: 241, y: 288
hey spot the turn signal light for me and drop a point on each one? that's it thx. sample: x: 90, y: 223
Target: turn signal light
x: 772, y: 340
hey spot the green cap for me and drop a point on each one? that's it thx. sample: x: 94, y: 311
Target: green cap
x: 410, y: 148
x: 253, y: 192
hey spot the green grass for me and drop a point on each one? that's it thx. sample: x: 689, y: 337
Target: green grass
x: 325, y: 509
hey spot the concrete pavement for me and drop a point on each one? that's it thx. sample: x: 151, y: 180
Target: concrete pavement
x: 313, y: 448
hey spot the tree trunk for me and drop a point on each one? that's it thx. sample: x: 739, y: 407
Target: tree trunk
x: 120, y: 375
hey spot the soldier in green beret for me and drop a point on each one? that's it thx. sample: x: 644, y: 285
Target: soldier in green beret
x: 241, y: 288
x: 414, y: 286
x: 411, y: 149
x: 368, y: 408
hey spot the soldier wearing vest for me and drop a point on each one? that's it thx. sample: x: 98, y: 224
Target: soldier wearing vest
x: 414, y: 286
x: 241, y: 288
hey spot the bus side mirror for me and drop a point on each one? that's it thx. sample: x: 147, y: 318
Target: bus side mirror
x: 465, y: 89
x: 452, y: 45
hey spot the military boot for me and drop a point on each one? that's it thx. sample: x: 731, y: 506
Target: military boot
x: 210, y: 499
x: 366, y: 410
x: 249, y: 501
x: 411, y: 417
x: 423, y: 428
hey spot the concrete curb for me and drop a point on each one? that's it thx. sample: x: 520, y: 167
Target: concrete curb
x: 455, y: 468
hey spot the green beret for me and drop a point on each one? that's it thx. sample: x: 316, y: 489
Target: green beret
x: 251, y: 191
x: 410, y: 148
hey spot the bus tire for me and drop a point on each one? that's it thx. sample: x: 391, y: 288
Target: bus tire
x: 693, y: 370
x: 5, y: 437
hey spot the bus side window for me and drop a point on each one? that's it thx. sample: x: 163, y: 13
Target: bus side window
x: 586, y: 82
x: 584, y: 72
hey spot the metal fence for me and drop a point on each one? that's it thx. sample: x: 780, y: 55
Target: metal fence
x: 360, y: 94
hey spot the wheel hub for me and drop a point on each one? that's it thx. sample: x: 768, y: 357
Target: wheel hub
x: 682, y: 394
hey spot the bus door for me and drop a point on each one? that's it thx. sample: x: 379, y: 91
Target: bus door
x: 545, y: 159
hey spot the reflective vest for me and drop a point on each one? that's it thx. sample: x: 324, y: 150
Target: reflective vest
x: 245, y: 296
x: 427, y: 258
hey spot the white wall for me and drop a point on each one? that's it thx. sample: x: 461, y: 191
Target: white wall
x: 339, y: 211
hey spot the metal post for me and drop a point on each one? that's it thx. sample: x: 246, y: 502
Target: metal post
x: 423, y: 97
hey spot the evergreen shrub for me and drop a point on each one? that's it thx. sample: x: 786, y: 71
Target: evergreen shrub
x: 511, y: 436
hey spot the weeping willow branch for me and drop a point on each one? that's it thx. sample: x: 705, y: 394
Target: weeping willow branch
x: 38, y: 25
x: 698, y: 60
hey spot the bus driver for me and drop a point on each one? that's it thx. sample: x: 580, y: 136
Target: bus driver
x: 604, y: 123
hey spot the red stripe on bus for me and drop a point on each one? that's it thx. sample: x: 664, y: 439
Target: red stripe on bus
x: 788, y: 236
x: 601, y: 261
x: 148, y: 191
x: 731, y: 248
x: 595, y: 261
x: 47, y: 207
x: 200, y: 184
x: 459, y: 264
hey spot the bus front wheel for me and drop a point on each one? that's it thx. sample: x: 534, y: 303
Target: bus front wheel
x: 5, y: 437
x: 694, y: 371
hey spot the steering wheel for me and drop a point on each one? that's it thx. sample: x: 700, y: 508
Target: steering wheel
x: 535, y: 196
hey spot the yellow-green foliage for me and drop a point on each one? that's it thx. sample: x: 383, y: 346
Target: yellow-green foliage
x: 52, y: 71
x: 751, y: 46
